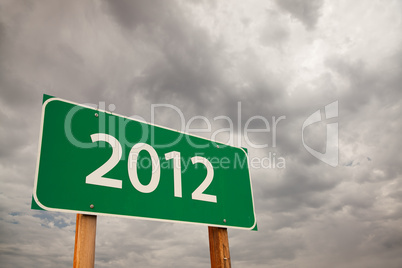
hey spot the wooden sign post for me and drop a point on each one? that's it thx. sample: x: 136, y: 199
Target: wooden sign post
x: 85, y: 233
x: 219, y: 247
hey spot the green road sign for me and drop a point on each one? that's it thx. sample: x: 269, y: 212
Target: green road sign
x: 95, y: 162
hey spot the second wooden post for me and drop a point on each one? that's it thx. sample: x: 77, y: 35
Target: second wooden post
x: 219, y: 247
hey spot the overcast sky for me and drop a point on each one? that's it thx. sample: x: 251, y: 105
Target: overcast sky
x: 276, y: 58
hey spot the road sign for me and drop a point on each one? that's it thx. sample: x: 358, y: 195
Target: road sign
x: 95, y: 162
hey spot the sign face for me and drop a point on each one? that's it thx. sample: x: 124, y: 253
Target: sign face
x: 95, y: 162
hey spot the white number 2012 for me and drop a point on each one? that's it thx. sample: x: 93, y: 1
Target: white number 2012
x: 97, y: 178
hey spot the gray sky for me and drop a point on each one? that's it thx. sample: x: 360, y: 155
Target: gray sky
x: 277, y: 58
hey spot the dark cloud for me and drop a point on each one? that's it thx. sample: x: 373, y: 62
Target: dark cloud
x: 308, y: 12
x: 274, y: 32
x: 132, y: 14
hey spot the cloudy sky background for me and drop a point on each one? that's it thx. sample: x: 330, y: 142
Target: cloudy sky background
x: 278, y: 58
